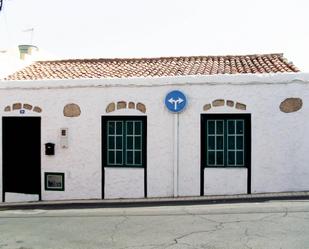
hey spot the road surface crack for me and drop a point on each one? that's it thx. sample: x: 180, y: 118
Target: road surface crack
x: 117, y: 226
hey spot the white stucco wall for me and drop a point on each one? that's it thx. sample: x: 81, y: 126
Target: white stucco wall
x: 124, y: 183
x: 18, y: 197
x: 279, y: 140
x: 225, y: 181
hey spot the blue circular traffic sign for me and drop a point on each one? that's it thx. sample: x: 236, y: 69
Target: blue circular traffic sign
x: 175, y: 101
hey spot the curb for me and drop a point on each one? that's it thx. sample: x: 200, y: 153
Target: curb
x: 152, y: 202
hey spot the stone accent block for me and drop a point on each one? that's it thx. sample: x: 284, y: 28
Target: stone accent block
x: 71, y: 110
x: 218, y: 102
x: 27, y: 106
x: 141, y: 107
x: 131, y: 105
x: 7, y: 108
x: 16, y: 106
x: 121, y: 105
x: 206, y: 107
x: 230, y: 103
x: 111, y: 107
x: 241, y: 106
x: 291, y: 105
x: 37, y: 109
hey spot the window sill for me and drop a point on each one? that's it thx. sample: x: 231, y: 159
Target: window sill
x: 125, y: 167
x: 224, y: 167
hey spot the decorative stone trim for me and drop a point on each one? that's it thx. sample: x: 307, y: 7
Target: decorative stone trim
x: 131, y: 105
x: 71, y: 110
x: 240, y: 106
x: 291, y: 105
x: 26, y: 106
x: 16, y: 106
x: 221, y: 102
x: 141, y: 107
x: 111, y: 107
x: 218, y: 102
x: 121, y: 105
x: 230, y: 103
x: 207, y: 107
x: 37, y: 109
x: 7, y: 108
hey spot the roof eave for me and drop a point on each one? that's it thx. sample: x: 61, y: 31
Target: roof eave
x: 219, y: 79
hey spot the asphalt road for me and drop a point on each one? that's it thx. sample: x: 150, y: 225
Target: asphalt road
x: 277, y: 224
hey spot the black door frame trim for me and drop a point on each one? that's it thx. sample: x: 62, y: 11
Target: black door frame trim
x: 104, y: 120
x: 245, y: 116
x: 40, y: 154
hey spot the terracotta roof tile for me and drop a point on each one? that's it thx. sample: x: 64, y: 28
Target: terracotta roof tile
x: 152, y: 67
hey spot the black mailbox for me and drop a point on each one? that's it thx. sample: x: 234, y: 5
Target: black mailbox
x: 49, y: 149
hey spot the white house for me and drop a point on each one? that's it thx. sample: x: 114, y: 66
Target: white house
x: 106, y: 128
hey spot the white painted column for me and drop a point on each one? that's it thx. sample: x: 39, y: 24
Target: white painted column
x: 176, y: 153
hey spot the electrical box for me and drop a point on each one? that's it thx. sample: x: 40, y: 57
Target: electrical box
x: 64, y: 138
x: 50, y: 149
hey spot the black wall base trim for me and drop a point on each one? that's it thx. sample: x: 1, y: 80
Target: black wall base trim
x: 148, y: 203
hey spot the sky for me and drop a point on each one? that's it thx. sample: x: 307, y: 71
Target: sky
x: 156, y: 28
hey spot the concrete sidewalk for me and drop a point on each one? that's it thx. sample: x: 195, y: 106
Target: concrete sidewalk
x: 166, y: 201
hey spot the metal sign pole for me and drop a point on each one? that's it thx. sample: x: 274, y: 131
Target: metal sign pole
x: 176, y: 153
x: 175, y: 102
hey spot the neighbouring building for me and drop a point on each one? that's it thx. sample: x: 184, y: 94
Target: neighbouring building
x: 17, y: 58
x: 106, y: 128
